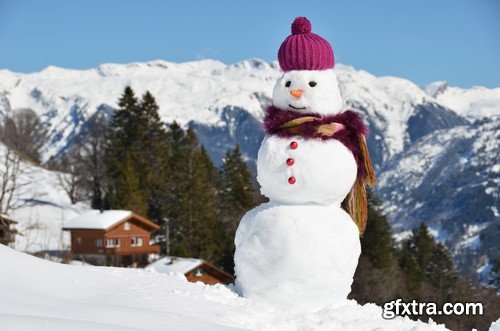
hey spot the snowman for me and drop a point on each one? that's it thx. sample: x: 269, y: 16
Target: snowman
x: 300, y: 250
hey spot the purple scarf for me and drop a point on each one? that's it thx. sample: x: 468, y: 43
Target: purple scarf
x: 349, y: 128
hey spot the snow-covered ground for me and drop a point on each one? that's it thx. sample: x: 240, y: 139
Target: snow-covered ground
x: 43, y: 295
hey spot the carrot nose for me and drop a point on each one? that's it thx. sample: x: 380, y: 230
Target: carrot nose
x: 296, y: 93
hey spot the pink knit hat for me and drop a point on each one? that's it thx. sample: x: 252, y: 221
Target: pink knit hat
x: 304, y: 50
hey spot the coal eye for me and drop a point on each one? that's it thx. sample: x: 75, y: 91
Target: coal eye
x: 288, y: 83
x: 312, y: 84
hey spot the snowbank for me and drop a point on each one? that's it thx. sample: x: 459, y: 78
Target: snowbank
x: 43, y: 295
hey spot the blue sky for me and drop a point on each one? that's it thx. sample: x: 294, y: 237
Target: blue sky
x: 424, y: 41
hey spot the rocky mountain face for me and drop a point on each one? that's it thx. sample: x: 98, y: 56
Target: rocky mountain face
x: 449, y: 178
x: 435, y: 150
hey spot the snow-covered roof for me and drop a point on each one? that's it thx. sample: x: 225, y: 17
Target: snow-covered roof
x: 95, y: 219
x: 170, y: 264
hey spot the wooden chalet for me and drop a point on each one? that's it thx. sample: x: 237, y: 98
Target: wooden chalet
x: 194, y: 269
x: 7, y: 232
x: 112, y: 237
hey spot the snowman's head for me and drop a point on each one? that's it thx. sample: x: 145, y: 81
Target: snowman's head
x: 308, y: 91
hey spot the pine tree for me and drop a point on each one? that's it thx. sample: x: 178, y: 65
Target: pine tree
x: 207, y: 232
x: 411, y: 270
x: 180, y: 147
x: 121, y: 145
x: 137, y: 150
x: 237, y: 192
x: 377, y: 275
x: 153, y: 158
x: 212, y: 171
x: 129, y: 195
x: 125, y: 124
x: 377, y: 243
x: 416, y: 255
x: 236, y: 197
x: 192, y: 199
x: 441, y: 273
x: 428, y: 267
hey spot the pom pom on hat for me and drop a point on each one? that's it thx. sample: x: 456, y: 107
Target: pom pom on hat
x: 301, y: 25
x: 304, y: 50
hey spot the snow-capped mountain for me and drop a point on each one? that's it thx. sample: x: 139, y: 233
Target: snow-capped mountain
x: 194, y: 91
x: 218, y: 99
x: 474, y: 103
x: 435, y: 150
x: 449, y: 178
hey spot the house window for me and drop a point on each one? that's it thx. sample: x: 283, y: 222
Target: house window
x: 126, y: 226
x: 112, y: 242
x: 136, y: 242
x: 78, y: 241
x: 98, y: 242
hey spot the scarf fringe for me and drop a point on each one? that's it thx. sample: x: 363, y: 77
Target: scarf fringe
x: 358, y: 201
x: 358, y: 205
x: 370, y: 172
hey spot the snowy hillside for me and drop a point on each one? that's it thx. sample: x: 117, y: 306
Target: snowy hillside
x: 43, y: 295
x: 44, y: 209
x: 426, y: 172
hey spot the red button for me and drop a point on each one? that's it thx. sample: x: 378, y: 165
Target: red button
x: 290, y: 162
x: 291, y: 180
x: 294, y: 145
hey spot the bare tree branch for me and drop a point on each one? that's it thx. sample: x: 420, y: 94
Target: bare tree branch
x: 10, y: 180
x: 70, y: 176
x: 30, y: 231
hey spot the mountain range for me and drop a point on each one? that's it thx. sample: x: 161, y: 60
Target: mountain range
x: 435, y: 149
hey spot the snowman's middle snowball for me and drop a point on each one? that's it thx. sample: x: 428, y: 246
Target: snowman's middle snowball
x: 324, y: 171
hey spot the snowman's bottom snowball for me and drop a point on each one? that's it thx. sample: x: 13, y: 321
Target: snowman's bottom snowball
x: 296, y: 256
